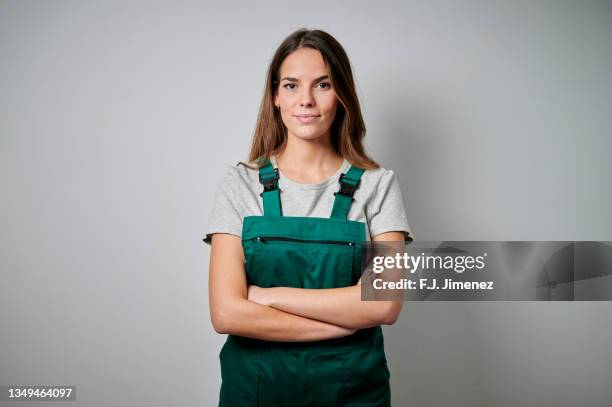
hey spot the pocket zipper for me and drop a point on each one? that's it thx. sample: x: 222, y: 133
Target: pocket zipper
x: 264, y: 239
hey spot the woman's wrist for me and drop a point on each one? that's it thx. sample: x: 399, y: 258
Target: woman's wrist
x: 271, y: 294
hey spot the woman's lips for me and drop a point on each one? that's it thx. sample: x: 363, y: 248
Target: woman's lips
x: 307, y: 119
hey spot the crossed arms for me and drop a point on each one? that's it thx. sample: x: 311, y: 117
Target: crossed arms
x: 284, y: 313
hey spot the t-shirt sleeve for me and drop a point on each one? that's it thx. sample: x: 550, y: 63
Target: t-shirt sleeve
x: 224, y: 217
x: 386, y: 211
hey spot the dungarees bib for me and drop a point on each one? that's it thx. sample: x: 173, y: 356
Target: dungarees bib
x: 304, y: 252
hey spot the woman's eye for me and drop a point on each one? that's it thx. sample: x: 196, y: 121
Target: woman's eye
x: 326, y: 85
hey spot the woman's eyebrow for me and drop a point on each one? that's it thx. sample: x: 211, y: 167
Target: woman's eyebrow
x: 290, y: 79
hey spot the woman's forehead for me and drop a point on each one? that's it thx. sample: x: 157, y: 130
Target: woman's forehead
x: 304, y: 64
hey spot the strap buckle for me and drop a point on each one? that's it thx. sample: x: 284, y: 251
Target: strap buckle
x: 270, y: 183
x: 347, y: 189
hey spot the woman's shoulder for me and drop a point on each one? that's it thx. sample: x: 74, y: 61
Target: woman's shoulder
x: 241, y: 172
x: 378, y: 175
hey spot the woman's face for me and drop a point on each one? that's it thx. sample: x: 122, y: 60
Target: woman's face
x: 305, y: 90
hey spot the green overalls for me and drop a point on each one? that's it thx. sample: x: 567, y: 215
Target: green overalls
x: 304, y: 252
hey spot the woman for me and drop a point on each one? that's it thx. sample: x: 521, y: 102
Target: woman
x: 285, y: 260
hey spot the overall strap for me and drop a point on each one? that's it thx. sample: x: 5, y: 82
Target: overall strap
x: 349, y: 182
x: 268, y: 176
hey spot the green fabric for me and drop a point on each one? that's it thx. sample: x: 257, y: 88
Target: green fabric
x: 272, y: 203
x: 304, y: 252
x: 271, y: 199
x: 342, y: 203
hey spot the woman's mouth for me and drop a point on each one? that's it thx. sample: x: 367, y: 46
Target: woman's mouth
x: 307, y: 118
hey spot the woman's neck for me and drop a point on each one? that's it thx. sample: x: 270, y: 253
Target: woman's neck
x: 308, y: 160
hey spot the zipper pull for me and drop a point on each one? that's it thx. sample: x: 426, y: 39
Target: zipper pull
x: 260, y: 239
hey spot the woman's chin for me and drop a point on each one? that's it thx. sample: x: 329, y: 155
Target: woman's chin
x: 307, y: 135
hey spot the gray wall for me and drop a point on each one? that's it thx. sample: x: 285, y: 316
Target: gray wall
x: 117, y: 120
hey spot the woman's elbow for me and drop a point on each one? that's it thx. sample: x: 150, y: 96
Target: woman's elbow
x: 219, y: 322
x: 390, y: 312
x: 226, y: 316
x: 223, y: 319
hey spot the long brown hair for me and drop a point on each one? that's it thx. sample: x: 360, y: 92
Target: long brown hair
x: 348, y: 129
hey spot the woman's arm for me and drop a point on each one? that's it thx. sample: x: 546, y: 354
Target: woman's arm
x: 232, y: 313
x: 338, y: 306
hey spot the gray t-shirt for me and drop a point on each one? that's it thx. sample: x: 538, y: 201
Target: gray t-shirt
x: 378, y: 200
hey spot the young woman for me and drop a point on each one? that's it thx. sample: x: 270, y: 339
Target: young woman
x: 285, y: 232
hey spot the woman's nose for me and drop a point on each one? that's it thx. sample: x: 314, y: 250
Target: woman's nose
x: 306, y: 98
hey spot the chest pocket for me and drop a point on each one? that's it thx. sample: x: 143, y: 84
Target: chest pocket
x: 300, y: 263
